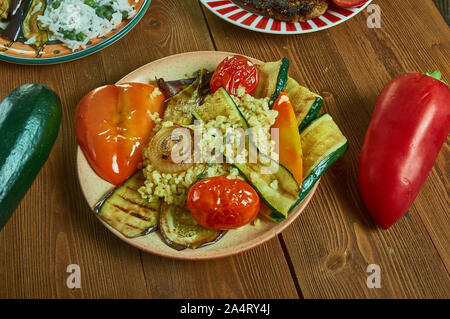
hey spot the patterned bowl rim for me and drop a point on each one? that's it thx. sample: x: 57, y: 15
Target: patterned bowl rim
x: 231, y: 12
x: 80, y: 54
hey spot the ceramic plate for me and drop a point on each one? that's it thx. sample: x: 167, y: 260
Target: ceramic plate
x: 55, y: 52
x: 235, y: 241
x: 234, y: 14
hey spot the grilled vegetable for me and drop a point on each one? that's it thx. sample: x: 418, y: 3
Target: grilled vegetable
x: 219, y: 103
x: 233, y: 72
x: 180, y: 230
x: 322, y: 144
x: 306, y: 104
x: 162, y: 145
x: 272, y: 79
x: 126, y: 211
x: 5, y: 8
x: 29, y: 123
x: 178, y: 109
x: 171, y: 88
x: 289, y: 144
x: 30, y: 25
x: 221, y: 203
x: 274, y: 183
x: 12, y: 31
x: 113, y: 125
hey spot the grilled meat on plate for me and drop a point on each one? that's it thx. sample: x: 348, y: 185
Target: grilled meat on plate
x: 286, y: 10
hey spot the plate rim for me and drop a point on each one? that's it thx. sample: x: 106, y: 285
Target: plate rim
x: 83, y: 53
x: 333, y: 24
x: 81, y: 160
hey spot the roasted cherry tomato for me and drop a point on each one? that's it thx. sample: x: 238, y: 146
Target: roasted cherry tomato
x: 235, y: 71
x: 221, y: 203
x: 112, y: 125
x: 349, y: 3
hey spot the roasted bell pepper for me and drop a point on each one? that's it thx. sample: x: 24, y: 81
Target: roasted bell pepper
x: 113, y: 123
x: 410, y: 123
x: 289, y: 144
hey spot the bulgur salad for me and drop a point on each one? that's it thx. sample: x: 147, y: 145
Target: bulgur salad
x: 197, y: 157
x: 71, y: 22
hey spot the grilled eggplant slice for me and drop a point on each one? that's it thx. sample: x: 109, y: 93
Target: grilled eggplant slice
x: 30, y: 25
x: 178, y: 108
x: 126, y: 211
x: 17, y: 13
x: 180, y: 230
x: 171, y: 88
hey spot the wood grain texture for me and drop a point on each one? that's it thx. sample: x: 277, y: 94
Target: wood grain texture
x: 335, y: 240
x: 324, y: 253
x: 54, y: 227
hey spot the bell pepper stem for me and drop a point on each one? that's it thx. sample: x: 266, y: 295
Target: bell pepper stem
x: 436, y: 75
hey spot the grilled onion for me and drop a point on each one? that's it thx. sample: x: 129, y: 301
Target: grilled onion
x: 159, y: 151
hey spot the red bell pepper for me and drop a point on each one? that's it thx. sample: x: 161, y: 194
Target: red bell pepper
x: 410, y: 123
x: 113, y: 125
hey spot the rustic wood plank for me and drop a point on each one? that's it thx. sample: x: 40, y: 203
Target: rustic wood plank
x: 53, y: 226
x: 333, y: 242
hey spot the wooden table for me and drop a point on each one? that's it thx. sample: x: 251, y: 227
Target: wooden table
x: 326, y: 251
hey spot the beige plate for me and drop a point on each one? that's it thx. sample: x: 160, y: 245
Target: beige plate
x: 235, y: 241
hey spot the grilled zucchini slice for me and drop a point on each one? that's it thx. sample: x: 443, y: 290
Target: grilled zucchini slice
x: 278, y: 189
x: 126, y: 211
x: 272, y: 79
x: 306, y: 104
x: 220, y: 103
x: 322, y: 144
x: 180, y: 230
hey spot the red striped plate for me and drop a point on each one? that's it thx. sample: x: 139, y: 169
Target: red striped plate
x: 234, y: 14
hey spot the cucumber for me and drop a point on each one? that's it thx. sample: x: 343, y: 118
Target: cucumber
x: 322, y: 144
x: 279, y: 189
x: 306, y: 104
x: 273, y: 77
x: 29, y: 123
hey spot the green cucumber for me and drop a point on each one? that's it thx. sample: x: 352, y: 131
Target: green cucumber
x: 322, y: 144
x: 273, y: 77
x: 29, y: 123
x: 306, y: 104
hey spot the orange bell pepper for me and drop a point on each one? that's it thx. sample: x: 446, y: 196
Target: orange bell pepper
x: 112, y: 126
x: 290, y: 148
